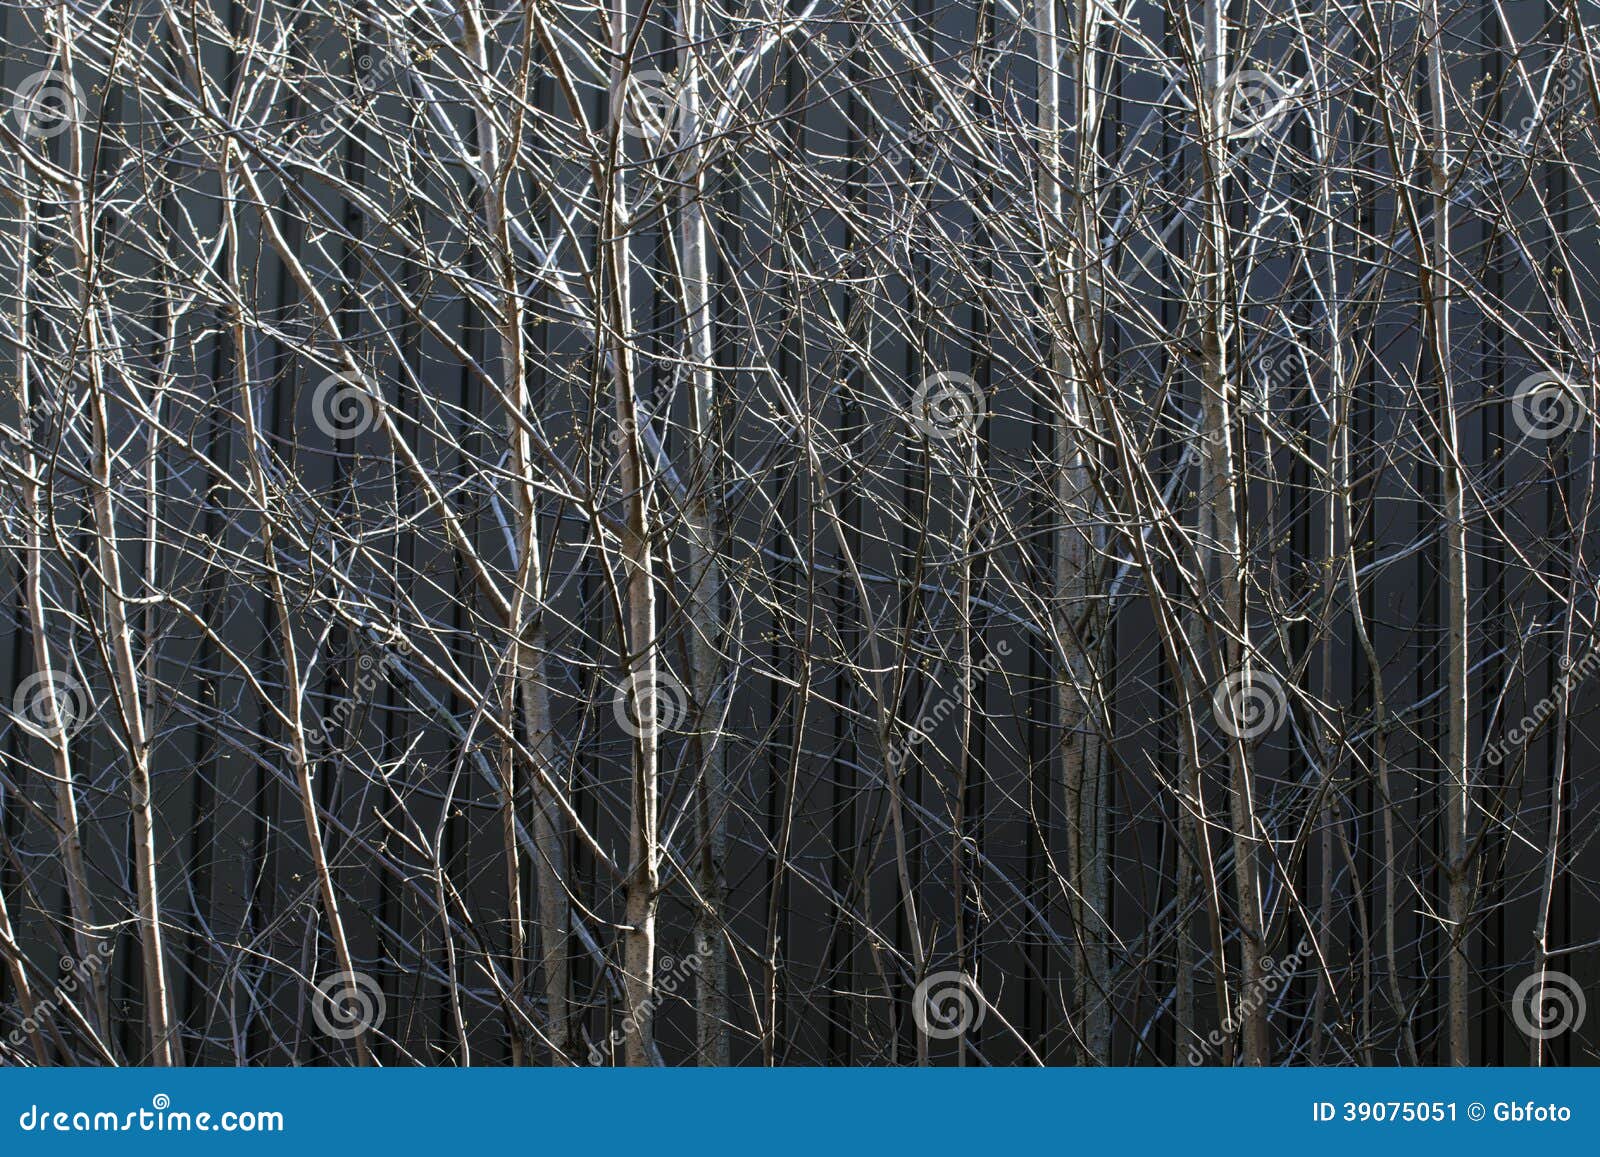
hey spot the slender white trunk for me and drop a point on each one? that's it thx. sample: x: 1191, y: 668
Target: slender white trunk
x: 640, y: 644
x: 706, y: 595
x: 163, y: 1043
x: 1219, y: 389
x: 55, y: 727
x: 530, y: 676
x: 1071, y: 239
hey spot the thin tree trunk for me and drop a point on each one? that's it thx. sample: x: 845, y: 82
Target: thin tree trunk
x: 163, y: 1043
x: 640, y: 645
x: 707, y: 597
x: 56, y: 728
x: 293, y: 691
x: 1219, y: 389
x: 1436, y: 278
x: 529, y: 648
x: 1071, y: 239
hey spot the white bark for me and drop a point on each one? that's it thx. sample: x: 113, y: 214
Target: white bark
x: 706, y: 589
